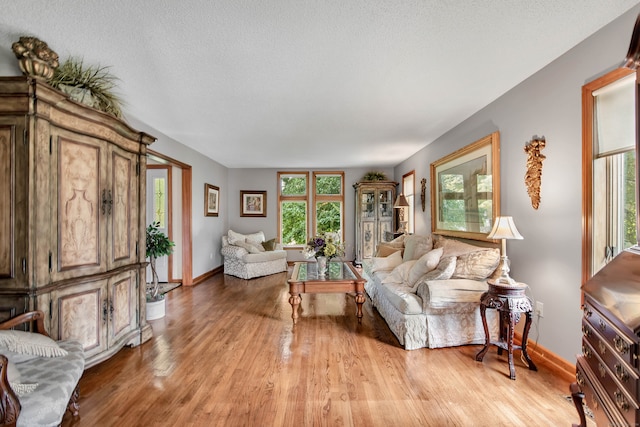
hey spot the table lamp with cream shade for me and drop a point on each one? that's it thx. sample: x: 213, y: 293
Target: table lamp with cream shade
x: 401, y: 203
x: 504, y: 228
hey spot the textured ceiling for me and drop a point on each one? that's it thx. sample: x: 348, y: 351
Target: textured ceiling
x: 307, y: 83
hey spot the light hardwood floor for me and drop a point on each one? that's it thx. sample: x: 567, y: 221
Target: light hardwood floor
x: 227, y: 354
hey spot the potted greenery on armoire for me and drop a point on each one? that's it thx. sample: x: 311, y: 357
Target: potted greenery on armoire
x: 158, y: 245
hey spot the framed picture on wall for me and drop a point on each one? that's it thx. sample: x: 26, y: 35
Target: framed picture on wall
x: 253, y: 203
x: 465, y: 190
x: 211, y: 200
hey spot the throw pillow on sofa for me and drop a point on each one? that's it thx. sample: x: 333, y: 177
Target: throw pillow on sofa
x: 269, y: 245
x: 425, y: 264
x: 443, y: 271
x: 234, y: 237
x: 415, y: 246
x: 386, y: 263
x: 400, y: 274
x: 477, y: 265
x: 250, y: 246
x: 454, y: 247
x: 385, y: 250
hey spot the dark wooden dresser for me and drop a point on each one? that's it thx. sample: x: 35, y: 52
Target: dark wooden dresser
x: 607, y: 370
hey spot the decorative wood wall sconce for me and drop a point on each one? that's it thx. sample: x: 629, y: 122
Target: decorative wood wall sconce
x: 533, y: 177
x: 423, y: 190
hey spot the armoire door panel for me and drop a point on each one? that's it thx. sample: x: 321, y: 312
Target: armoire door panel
x: 13, y: 206
x: 368, y: 239
x: 79, y: 205
x: 7, y: 243
x: 123, y: 217
x: 122, y: 303
x: 42, y: 198
x: 82, y: 315
x: 385, y: 227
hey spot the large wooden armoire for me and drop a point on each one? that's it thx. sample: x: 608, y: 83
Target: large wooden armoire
x: 72, y: 218
x: 374, y: 215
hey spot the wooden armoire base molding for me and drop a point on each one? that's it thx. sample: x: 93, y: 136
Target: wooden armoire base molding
x: 74, y: 181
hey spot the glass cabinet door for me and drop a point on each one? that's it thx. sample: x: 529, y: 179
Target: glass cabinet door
x: 385, y: 203
x: 368, y: 208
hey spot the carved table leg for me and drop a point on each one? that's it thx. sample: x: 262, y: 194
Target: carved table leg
x: 513, y: 319
x: 294, y: 300
x: 487, y: 340
x: 577, y: 395
x: 525, y: 338
x: 360, y: 299
x: 504, y: 328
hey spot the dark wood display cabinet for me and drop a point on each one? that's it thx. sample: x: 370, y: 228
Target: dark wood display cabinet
x: 607, y: 371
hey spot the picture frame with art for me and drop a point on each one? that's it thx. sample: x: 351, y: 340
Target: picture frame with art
x: 253, y: 203
x: 465, y: 190
x: 211, y: 200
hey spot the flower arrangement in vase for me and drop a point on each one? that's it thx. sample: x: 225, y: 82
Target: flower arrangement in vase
x: 323, y: 247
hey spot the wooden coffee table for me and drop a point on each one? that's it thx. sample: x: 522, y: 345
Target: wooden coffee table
x: 341, y: 277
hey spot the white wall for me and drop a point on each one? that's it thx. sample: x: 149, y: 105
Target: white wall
x: 267, y: 180
x: 549, y: 104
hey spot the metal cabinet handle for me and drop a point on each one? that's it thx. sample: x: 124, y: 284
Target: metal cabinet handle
x: 621, y: 401
x: 107, y: 202
x: 104, y: 311
x: 587, y: 311
x: 586, y: 331
x: 602, y: 325
x: 586, y: 351
x: 621, y: 373
x: 621, y: 345
x: 580, y: 379
x: 602, y: 370
x: 602, y: 347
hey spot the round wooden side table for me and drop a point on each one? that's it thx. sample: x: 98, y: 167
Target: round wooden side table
x: 511, y: 301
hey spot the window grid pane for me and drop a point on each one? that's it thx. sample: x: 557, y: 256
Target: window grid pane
x: 293, y: 216
x: 329, y: 185
x: 159, y: 195
x: 293, y: 185
x: 328, y: 217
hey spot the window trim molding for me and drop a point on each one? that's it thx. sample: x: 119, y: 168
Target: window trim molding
x: 328, y: 198
x: 300, y: 198
x: 412, y: 224
x: 587, y: 162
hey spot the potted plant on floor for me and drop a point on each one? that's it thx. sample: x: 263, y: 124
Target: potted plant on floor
x: 158, y: 244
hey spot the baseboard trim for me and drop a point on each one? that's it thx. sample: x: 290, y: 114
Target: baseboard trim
x: 207, y: 275
x: 540, y: 355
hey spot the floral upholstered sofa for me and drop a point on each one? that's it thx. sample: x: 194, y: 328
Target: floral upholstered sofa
x: 249, y: 255
x: 428, y: 290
